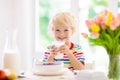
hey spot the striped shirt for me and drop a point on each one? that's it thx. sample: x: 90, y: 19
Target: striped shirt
x: 77, y: 51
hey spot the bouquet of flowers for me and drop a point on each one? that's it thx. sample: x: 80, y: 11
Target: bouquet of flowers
x: 105, y: 31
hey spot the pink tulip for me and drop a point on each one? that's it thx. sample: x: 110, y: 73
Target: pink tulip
x: 89, y: 23
x: 97, y: 20
x: 95, y: 35
x: 114, y: 23
x: 119, y: 18
x: 102, y: 22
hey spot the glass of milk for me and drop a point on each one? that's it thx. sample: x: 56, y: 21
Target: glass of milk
x: 58, y: 44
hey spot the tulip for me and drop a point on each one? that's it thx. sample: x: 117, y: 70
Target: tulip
x: 109, y: 18
x: 95, y: 28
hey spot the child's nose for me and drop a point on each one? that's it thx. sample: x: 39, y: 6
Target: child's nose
x: 61, y: 33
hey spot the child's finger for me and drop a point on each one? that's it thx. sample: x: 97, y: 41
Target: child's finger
x: 67, y: 43
x: 54, y: 53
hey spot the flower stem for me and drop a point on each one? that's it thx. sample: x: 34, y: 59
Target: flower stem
x: 114, y: 66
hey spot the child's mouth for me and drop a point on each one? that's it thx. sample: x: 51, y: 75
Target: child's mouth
x: 61, y: 39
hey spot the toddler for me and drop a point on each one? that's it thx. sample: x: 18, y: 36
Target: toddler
x: 63, y: 26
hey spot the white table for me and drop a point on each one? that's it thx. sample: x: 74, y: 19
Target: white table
x: 68, y: 75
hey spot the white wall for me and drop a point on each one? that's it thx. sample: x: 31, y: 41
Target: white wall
x: 18, y: 14
x: 5, y: 21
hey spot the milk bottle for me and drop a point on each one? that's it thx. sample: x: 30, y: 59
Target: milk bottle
x: 11, y: 57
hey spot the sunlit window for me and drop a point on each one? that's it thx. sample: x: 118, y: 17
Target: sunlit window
x: 87, y: 9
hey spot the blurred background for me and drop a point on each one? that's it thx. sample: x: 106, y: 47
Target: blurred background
x: 31, y: 19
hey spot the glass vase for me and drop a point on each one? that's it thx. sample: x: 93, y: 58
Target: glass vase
x: 114, y: 67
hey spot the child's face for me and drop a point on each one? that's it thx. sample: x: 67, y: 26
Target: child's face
x: 62, y: 33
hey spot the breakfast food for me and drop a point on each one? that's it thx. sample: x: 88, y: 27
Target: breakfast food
x: 7, y: 74
x: 3, y: 75
x: 11, y: 75
x: 48, y: 68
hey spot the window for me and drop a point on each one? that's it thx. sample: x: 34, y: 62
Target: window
x: 83, y: 10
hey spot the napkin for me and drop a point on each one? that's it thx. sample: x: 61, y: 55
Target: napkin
x: 91, y: 75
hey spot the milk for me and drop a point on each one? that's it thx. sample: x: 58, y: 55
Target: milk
x: 58, y: 44
x: 59, y: 56
x: 12, y: 61
x: 11, y: 56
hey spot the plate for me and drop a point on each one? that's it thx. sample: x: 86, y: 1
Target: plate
x: 50, y: 73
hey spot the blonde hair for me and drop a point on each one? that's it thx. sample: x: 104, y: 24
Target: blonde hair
x: 64, y: 19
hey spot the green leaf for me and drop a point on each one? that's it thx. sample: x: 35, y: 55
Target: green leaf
x: 109, y: 39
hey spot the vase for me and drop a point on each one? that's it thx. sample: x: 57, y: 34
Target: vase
x: 114, y: 67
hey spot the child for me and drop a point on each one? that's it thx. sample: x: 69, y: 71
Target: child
x: 63, y: 27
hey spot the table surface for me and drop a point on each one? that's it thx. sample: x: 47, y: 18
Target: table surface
x: 67, y: 75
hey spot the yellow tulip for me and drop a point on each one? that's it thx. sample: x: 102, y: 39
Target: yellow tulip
x: 95, y: 28
x: 109, y: 18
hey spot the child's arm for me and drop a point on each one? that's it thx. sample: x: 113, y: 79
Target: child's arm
x: 53, y: 52
x: 76, y: 64
x: 51, y: 58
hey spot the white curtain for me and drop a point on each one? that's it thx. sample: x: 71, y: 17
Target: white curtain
x: 19, y: 14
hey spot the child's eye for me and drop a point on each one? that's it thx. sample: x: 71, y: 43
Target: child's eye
x: 66, y: 30
x: 57, y: 30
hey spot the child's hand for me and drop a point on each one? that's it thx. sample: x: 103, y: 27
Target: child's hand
x: 53, y: 50
x: 64, y: 49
